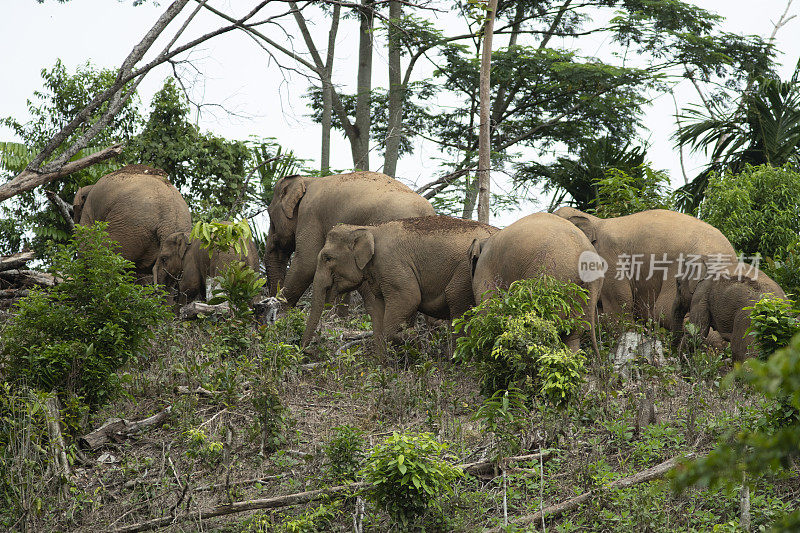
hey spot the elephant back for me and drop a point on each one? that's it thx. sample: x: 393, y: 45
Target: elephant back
x: 142, y: 208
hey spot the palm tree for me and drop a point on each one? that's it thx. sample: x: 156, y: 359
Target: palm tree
x: 576, y: 178
x: 762, y: 129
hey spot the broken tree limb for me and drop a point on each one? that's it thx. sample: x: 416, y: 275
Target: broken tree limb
x: 280, y: 501
x: 247, y: 505
x: 9, y: 262
x: 26, y: 278
x: 196, y: 309
x: 487, y: 469
x: 57, y: 444
x: 558, y: 509
x: 7, y: 294
x: 117, y: 429
x: 62, y: 207
x: 200, y: 391
x: 28, y: 179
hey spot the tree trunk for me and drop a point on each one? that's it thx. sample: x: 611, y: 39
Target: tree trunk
x: 327, y: 94
x: 396, y: 92
x: 470, y: 197
x: 484, y: 144
x: 360, y: 147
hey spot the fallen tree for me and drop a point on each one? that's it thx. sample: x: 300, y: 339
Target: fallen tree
x: 119, y: 429
x: 559, y: 509
x: 292, y: 499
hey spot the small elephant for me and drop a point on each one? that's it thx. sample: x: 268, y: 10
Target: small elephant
x: 185, y: 267
x: 142, y: 208
x: 645, y: 252
x: 537, y: 244
x: 304, y: 209
x: 718, y: 301
x: 405, y: 266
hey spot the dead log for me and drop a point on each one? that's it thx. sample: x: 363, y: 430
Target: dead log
x: 8, y: 294
x: 27, y: 278
x: 57, y: 444
x: 197, y: 309
x: 558, y: 509
x: 200, y: 391
x: 487, y: 470
x: 248, y: 505
x: 9, y: 262
x: 118, y: 429
x: 284, y: 501
x: 62, y: 207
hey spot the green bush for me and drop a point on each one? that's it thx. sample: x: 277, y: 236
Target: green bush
x: 761, y: 450
x: 514, y: 338
x: 619, y: 193
x: 239, y: 283
x: 755, y: 209
x: 773, y: 323
x: 407, y: 475
x: 786, y: 269
x: 345, y: 451
x: 73, y: 337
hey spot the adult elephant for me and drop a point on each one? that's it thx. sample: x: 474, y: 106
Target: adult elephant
x: 304, y: 209
x: 415, y: 264
x: 645, y: 252
x: 537, y: 244
x: 717, y: 300
x: 187, y: 268
x: 142, y: 208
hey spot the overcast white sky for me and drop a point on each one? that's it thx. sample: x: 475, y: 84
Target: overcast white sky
x: 239, y: 75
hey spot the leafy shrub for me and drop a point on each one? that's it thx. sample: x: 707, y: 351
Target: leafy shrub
x: 345, y: 451
x: 786, y: 269
x: 504, y: 414
x: 755, y: 209
x: 758, y: 450
x: 74, y: 336
x: 201, y: 446
x: 773, y: 323
x: 514, y: 338
x: 239, y: 283
x: 407, y: 475
x: 619, y: 193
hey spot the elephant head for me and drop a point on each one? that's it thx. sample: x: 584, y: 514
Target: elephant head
x: 78, y: 201
x: 584, y: 221
x: 169, y: 265
x: 280, y: 244
x: 340, y: 269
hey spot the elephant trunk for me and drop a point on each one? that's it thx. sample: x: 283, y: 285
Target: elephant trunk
x: 276, y: 262
x: 322, y: 290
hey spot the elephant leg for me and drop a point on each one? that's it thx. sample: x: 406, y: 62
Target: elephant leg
x: 376, y: 308
x: 740, y: 340
x: 301, y: 272
x: 616, y: 297
x: 343, y: 304
x: 700, y: 316
x: 400, y: 309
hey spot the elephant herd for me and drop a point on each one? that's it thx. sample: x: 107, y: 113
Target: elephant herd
x: 367, y: 232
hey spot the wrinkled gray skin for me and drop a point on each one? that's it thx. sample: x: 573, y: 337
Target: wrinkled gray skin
x: 417, y: 264
x: 304, y: 209
x: 719, y: 304
x: 537, y: 244
x: 185, y: 267
x: 142, y: 209
x: 659, y: 234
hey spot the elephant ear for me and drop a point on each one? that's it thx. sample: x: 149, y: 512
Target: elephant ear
x: 363, y: 247
x: 475, y: 250
x: 292, y: 194
x: 586, y: 225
